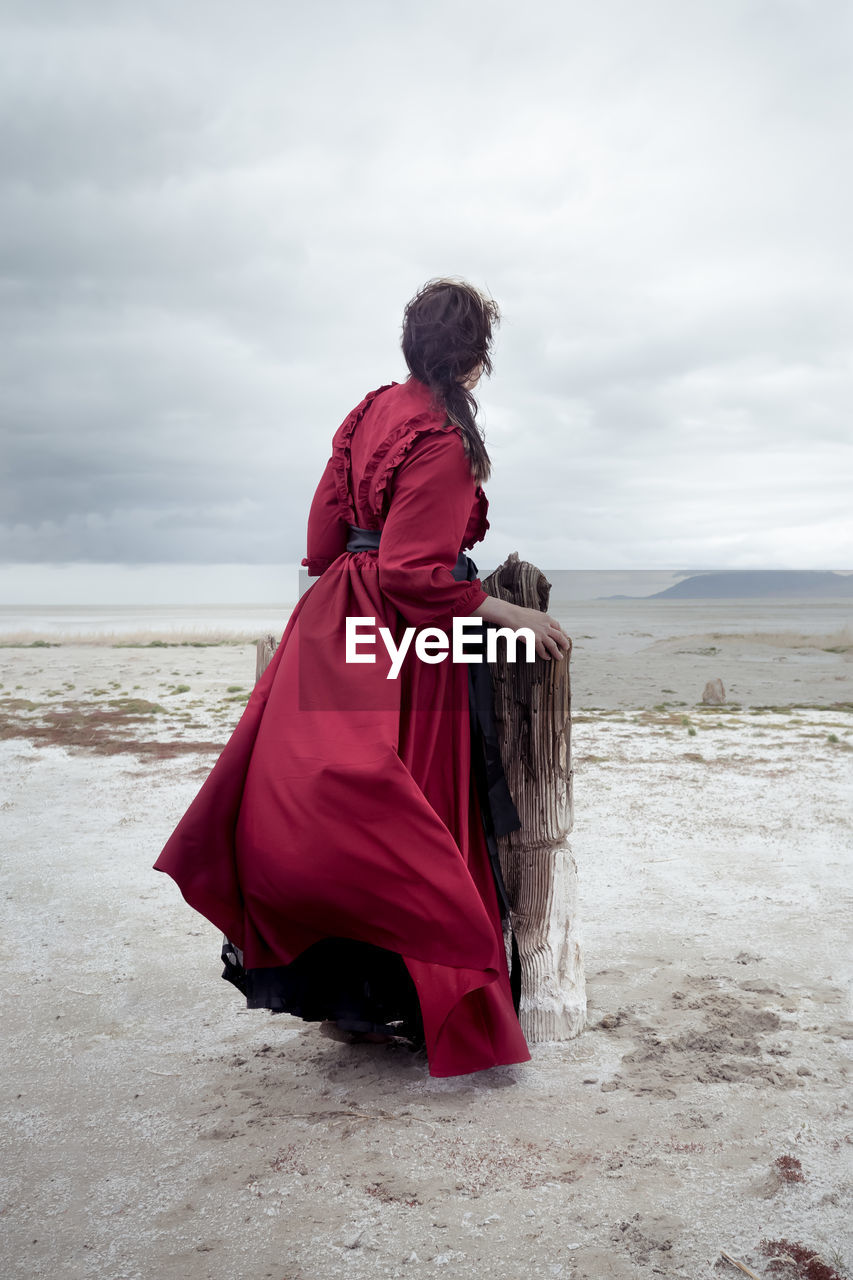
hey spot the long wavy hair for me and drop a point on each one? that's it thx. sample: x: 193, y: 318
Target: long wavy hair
x: 447, y: 333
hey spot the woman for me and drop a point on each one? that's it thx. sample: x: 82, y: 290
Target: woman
x: 340, y: 841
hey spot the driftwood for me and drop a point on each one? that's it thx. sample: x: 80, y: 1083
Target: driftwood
x: 533, y: 713
x: 740, y: 1265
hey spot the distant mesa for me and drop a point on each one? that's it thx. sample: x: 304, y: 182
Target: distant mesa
x: 779, y: 584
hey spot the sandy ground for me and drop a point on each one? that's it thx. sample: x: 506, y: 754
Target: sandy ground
x: 154, y: 1128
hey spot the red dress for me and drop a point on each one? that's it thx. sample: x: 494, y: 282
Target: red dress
x: 342, y: 805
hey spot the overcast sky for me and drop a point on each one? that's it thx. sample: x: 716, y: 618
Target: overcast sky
x: 212, y: 215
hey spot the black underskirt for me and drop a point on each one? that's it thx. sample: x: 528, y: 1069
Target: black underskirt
x: 361, y: 987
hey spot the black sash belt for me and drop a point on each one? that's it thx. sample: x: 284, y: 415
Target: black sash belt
x: 368, y: 540
x: 363, y: 539
x: 497, y: 808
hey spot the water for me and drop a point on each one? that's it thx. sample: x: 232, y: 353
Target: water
x: 166, y: 622
x: 620, y: 626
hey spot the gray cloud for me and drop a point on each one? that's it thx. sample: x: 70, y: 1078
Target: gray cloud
x: 213, y: 217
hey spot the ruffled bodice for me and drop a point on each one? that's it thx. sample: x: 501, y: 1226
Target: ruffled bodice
x: 391, y: 421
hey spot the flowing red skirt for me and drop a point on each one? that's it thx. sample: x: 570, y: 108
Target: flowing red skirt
x: 342, y: 806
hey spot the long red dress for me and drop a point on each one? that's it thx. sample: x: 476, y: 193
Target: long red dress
x: 342, y: 805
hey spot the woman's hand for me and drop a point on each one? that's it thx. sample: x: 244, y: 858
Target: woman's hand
x: 550, y: 638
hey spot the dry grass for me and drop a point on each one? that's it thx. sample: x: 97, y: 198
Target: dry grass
x: 185, y: 639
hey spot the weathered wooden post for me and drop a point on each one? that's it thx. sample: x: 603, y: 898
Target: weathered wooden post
x: 266, y: 647
x: 533, y: 714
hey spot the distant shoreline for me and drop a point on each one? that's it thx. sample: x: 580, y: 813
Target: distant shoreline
x: 156, y: 639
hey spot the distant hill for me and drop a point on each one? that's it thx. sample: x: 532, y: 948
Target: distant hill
x: 753, y: 584
x: 569, y: 585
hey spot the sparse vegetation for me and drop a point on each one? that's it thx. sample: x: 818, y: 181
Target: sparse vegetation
x: 118, y: 726
x: 136, y: 706
x: 790, y: 1168
x: 798, y: 1260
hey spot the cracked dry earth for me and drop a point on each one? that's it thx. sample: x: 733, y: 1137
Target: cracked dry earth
x: 153, y: 1127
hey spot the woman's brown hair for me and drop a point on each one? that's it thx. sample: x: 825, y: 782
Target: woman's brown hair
x: 447, y: 333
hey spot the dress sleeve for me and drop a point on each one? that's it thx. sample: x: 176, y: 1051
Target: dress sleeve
x: 431, y: 494
x: 328, y: 532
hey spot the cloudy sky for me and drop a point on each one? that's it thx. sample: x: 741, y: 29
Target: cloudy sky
x: 212, y: 214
